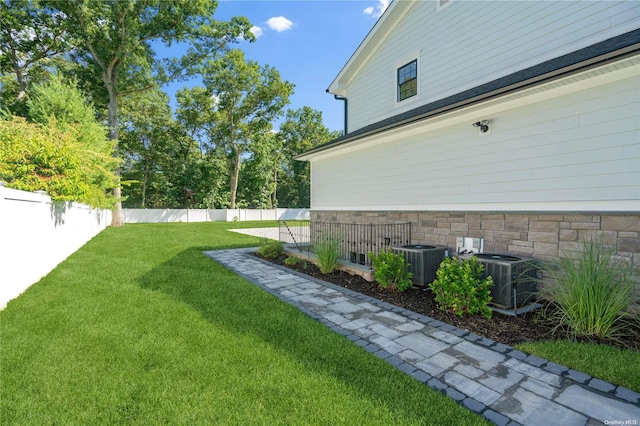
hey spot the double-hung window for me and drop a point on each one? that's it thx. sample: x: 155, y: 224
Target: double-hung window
x: 408, y: 80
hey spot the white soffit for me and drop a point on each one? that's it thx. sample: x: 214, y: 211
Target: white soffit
x: 625, y: 68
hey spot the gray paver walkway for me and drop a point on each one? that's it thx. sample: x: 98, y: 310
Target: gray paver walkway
x: 504, y: 385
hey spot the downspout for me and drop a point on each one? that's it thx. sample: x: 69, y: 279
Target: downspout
x: 346, y: 102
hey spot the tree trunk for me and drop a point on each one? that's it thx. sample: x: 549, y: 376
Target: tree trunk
x: 111, y: 82
x: 274, y: 198
x: 235, y: 174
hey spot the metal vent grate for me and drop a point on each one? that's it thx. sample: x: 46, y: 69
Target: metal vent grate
x: 514, y: 281
x: 423, y: 261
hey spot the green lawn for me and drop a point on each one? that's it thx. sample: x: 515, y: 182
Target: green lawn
x: 605, y: 362
x: 139, y: 327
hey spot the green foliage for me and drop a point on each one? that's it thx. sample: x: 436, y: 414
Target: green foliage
x: 246, y: 99
x: 270, y: 249
x: 460, y: 288
x: 259, y: 173
x: 391, y: 270
x: 295, y: 261
x: 327, y: 252
x: 58, y: 103
x: 593, y: 292
x: 35, y: 157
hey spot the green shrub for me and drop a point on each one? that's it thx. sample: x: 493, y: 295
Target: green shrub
x: 295, y: 261
x: 390, y: 270
x: 593, y: 292
x: 327, y: 252
x: 270, y: 249
x: 460, y: 288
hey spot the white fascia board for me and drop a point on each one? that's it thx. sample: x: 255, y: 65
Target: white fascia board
x: 380, y: 31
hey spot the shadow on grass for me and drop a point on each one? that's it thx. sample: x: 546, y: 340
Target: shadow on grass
x: 229, y: 301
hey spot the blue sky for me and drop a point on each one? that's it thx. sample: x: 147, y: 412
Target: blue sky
x: 308, y: 42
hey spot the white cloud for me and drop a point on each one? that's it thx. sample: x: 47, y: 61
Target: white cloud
x: 279, y: 24
x: 257, y: 31
x: 377, y: 10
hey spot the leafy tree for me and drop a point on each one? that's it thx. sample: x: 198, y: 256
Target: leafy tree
x: 115, y: 42
x: 239, y: 101
x: 44, y: 157
x: 63, y: 106
x: 302, y: 130
x: 259, y: 174
x: 30, y: 35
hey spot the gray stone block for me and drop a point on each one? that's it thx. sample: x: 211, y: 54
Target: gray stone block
x: 531, y: 371
x: 577, y: 376
x: 495, y: 418
x: 534, y: 360
x: 372, y: 347
x: 473, y: 405
x: 599, y: 407
x: 471, y: 388
x: 437, y: 385
x: 406, y: 367
x: 381, y: 353
x: 501, y: 378
x: 517, y: 354
x: 394, y: 360
x: 422, y: 344
x: 472, y: 337
x: 459, y: 332
x: 538, y: 387
x: 437, y: 364
x: 601, y: 385
x: 486, y: 342
x: 476, y: 355
x: 469, y: 371
x: 628, y: 395
x: 387, y: 344
x: 555, y: 368
x: 501, y: 347
x: 455, y: 395
x: 447, y: 327
x: 421, y: 376
x: 530, y: 409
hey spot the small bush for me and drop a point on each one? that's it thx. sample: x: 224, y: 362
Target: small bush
x: 327, y: 252
x: 593, y: 293
x: 270, y: 249
x: 295, y: 261
x: 390, y: 270
x: 460, y: 288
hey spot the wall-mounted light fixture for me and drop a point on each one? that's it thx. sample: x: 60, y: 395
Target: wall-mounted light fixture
x: 484, y: 125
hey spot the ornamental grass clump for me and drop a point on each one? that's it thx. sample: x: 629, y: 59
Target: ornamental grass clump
x: 593, y: 293
x: 390, y: 270
x: 327, y: 252
x: 460, y: 288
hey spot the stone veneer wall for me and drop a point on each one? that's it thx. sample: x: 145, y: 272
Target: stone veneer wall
x: 537, y: 235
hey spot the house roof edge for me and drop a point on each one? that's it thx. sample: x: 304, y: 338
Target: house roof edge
x: 615, y: 48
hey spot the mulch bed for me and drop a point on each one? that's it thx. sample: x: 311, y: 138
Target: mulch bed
x: 510, y: 330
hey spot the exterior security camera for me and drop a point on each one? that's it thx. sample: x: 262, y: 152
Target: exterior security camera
x: 484, y: 125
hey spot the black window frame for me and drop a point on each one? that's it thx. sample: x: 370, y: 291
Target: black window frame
x: 411, y: 82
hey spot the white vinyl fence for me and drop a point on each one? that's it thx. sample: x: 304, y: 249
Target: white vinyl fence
x: 37, y: 234
x: 211, y: 215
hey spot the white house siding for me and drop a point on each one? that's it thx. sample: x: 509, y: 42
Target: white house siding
x: 577, y: 148
x: 470, y: 43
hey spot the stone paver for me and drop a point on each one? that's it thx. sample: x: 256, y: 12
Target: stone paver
x: 504, y: 385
